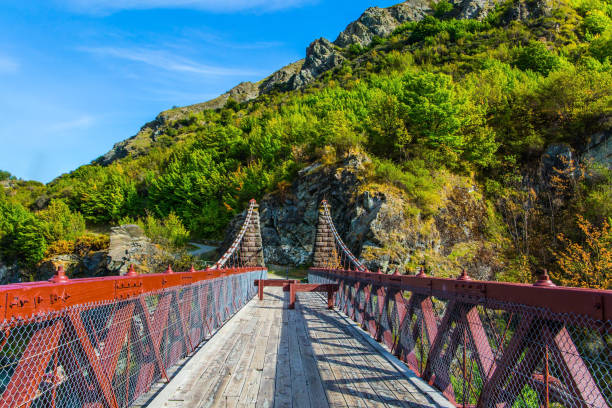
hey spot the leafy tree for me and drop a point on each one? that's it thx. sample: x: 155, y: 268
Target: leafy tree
x: 432, y: 110
x: 60, y: 223
x: 106, y: 196
x: 596, y: 22
x: 21, y: 235
x: 587, y: 263
x: 537, y: 58
x: 442, y: 7
x: 386, y: 127
x: 5, y: 175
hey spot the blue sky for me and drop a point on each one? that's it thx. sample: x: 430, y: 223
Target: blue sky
x: 77, y: 76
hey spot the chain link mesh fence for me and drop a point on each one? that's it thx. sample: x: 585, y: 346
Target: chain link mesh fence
x: 108, y: 354
x: 481, y: 352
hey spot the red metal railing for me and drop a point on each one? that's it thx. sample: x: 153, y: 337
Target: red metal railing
x: 488, y: 344
x: 104, y: 342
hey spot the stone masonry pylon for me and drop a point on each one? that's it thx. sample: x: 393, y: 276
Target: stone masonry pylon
x: 251, y: 249
x: 325, y: 255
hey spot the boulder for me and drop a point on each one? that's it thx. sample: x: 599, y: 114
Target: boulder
x: 129, y: 245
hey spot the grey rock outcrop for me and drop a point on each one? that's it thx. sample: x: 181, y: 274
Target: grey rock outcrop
x: 521, y: 10
x: 76, y: 266
x: 321, y: 56
x: 381, y: 22
x: 136, y: 144
x: 379, y: 227
x: 473, y: 9
x: 599, y: 149
x: 281, y: 79
x: 129, y: 245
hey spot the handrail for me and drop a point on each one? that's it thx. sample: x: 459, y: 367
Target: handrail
x: 23, y: 300
x: 487, y: 343
x: 593, y: 303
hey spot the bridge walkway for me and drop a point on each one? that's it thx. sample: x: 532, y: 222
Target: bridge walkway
x: 269, y: 356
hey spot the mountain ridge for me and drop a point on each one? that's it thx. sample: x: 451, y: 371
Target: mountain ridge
x: 322, y: 56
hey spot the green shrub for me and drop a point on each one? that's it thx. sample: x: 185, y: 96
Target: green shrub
x: 442, y: 7
x: 5, y: 175
x: 356, y: 49
x: 21, y: 235
x: 595, y: 23
x: 537, y: 58
x: 61, y: 223
x: 169, y: 231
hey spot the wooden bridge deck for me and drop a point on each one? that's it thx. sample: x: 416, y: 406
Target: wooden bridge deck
x: 269, y: 356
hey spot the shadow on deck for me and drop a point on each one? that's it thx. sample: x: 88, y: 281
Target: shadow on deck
x: 269, y: 356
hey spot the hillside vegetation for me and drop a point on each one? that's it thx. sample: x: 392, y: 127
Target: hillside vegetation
x: 438, y: 99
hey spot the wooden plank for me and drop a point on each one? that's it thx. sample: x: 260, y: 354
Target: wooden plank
x: 360, y: 394
x: 265, y: 397
x: 248, y: 398
x: 260, y: 344
x: 220, y: 378
x: 239, y: 371
x: 298, y: 379
x: 315, y: 390
x: 329, y: 374
x: 399, y: 387
x: 194, y: 393
x: 283, y: 391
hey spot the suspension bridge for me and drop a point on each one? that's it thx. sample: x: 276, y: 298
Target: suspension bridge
x: 350, y: 337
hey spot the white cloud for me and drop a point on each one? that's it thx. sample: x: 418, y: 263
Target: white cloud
x: 166, y: 61
x: 110, y: 6
x: 81, y: 122
x: 8, y: 65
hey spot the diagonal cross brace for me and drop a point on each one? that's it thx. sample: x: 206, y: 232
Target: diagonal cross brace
x: 23, y: 387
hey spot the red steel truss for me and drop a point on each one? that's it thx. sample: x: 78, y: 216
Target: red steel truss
x: 484, y: 344
x: 104, y: 342
x: 488, y: 344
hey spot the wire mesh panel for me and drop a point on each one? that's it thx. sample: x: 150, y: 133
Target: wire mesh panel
x: 107, y: 354
x: 488, y: 344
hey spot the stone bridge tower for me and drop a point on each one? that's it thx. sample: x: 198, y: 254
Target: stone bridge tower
x: 325, y: 254
x: 251, y: 248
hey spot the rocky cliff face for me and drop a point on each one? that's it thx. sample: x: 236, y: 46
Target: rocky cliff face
x: 379, y: 227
